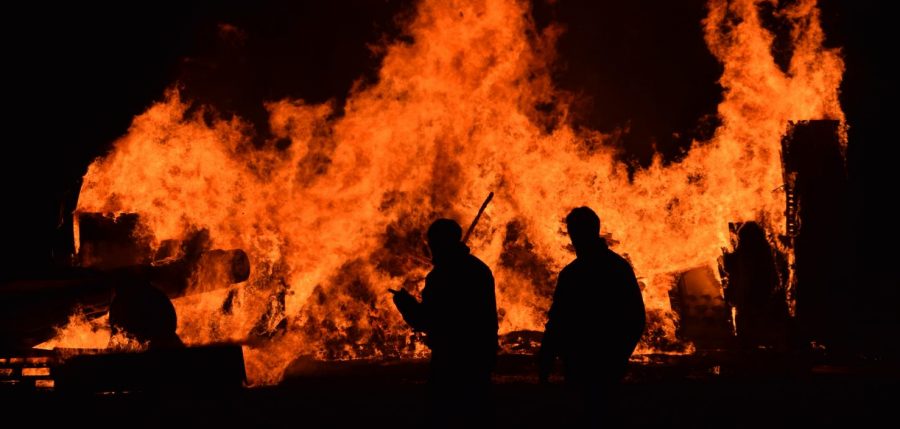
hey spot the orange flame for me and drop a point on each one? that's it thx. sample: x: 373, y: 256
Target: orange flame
x: 329, y: 221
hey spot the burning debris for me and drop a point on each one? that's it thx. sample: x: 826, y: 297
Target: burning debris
x: 118, y: 298
x: 115, y: 277
x: 704, y: 318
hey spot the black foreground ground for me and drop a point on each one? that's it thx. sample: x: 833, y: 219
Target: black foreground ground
x: 705, y: 389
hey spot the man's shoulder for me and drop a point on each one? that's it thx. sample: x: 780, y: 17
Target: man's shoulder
x: 478, y: 264
x: 618, y: 260
x: 571, y: 268
x: 598, y: 263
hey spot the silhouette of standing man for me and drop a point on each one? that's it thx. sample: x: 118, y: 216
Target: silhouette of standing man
x: 597, y: 316
x: 458, y: 314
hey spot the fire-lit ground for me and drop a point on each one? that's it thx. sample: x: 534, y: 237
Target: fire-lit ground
x: 710, y: 389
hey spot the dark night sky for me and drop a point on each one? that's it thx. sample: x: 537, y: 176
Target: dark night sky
x: 78, y: 73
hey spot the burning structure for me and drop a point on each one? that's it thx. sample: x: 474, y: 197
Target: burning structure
x: 329, y: 211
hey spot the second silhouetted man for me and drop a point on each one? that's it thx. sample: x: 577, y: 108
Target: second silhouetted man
x: 597, y: 315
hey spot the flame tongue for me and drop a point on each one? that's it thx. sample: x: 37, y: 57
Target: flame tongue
x: 335, y: 219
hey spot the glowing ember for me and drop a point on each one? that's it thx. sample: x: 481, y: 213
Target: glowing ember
x: 35, y: 372
x: 335, y: 219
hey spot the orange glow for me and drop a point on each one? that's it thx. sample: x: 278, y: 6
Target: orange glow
x: 44, y: 384
x: 35, y: 372
x: 80, y: 332
x: 336, y: 218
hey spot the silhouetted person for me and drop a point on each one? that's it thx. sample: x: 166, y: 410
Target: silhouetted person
x: 144, y: 313
x: 458, y: 315
x: 754, y: 290
x: 597, y: 316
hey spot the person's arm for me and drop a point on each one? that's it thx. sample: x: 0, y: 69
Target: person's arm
x: 638, y: 316
x: 550, y: 341
x: 492, y: 302
x: 412, y: 311
x: 488, y: 308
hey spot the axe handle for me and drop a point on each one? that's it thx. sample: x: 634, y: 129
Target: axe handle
x: 477, y: 217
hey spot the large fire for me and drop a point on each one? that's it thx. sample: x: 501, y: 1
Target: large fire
x: 335, y: 218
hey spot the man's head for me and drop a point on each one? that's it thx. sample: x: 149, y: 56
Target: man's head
x: 584, y: 228
x: 444, y: 237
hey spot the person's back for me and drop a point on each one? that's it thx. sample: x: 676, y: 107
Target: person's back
x: 462, y: 318
x: 597, y: 315
x: 596, y: 319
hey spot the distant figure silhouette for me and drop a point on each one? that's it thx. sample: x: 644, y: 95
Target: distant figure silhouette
x: 458, y: 314
x: 754, y: 290
x: 597, y: 316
